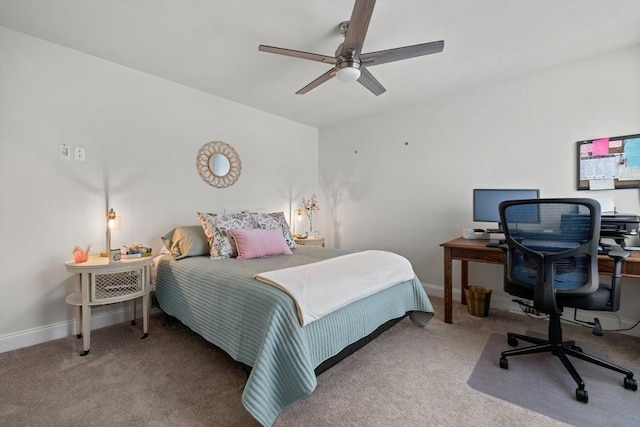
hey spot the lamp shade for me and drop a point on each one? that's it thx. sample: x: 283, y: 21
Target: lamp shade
x: 348, y: 74
x: 113, y: 224
x: 113, y: 221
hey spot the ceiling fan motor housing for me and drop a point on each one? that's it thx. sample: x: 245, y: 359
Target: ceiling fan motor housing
x: 347, y: 63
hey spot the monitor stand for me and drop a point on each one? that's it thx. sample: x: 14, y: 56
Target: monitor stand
x: 495, y: 230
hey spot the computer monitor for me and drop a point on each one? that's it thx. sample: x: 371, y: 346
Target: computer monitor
x: 487, y: 200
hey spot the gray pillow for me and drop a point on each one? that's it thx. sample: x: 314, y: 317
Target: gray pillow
x: 186, y: 241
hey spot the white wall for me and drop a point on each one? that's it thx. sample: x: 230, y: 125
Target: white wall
x: 516, y: 134
x: 141, y: 135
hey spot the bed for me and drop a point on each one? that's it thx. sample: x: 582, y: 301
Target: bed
x: 258, y: 326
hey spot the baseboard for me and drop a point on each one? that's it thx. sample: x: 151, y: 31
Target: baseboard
x: 609, y: 321
x: 99, y: 319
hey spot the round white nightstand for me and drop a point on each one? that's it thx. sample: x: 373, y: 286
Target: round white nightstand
x: 310, y: 241
x: 100, y: 282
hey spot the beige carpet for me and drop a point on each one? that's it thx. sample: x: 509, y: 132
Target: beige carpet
x: 407, y: 377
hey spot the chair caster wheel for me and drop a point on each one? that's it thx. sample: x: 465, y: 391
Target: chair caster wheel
x: 513, y: 342
x: 84, y: 352
x: 582, y: 395
x: 630, y: 384
x: 504, y: 363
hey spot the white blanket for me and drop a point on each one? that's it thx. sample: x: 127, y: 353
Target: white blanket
x: 325, y: 286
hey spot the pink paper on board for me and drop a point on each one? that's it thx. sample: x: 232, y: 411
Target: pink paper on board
x: 600, y: 147
x: 585, y: 150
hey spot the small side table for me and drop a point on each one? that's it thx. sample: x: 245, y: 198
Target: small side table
x: 100, y: 282
x: 310, y: 241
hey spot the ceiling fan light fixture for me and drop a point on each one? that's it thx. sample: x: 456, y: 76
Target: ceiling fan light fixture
x: 348, y: 74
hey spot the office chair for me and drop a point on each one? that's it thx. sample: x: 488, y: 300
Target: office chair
x: 551, y: 255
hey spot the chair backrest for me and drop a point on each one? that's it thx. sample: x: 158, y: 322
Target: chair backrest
x: 556, y: 253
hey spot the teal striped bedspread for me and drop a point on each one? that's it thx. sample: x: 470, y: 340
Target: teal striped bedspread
x: 256, y: 324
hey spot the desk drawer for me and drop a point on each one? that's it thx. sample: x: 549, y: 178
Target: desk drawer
x: 466, y: 254
x: 474, y: 254
x: 493, y: 256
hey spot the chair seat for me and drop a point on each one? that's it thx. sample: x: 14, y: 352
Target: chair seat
x: 597, y: 301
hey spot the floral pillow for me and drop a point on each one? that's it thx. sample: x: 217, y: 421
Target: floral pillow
x: 274, y: 220
x: 207, y: 221
x: 216, y: 227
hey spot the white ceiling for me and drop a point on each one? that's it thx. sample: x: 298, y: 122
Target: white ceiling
x: 212, y: 45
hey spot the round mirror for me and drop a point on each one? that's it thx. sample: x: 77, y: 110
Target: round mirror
x: 218, y: 164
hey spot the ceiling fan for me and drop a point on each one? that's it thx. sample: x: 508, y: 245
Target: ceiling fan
x: 349, y: 63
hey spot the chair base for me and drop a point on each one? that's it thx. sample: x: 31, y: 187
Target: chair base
x: 562, y: 349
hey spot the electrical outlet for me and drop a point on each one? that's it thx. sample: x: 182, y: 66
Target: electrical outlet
x: 64, y: 152
x: 79, y: 154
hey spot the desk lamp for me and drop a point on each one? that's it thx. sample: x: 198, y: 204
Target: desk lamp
x: 298, y: 218
x: 113, y: 224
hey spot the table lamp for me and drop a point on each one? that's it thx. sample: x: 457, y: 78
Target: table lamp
x: 299, y: 214
x: 113, y: 224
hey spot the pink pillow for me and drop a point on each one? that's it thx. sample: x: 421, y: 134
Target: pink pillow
x: 258, y: 242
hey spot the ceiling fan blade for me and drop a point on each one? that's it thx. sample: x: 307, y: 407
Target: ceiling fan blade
x: 358, y: 25
x: 367, y: 80
x: 298, y: 54
x: 400, y: 53
x: 317, y: 82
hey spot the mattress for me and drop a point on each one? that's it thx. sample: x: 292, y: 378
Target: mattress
x: 257, y: 324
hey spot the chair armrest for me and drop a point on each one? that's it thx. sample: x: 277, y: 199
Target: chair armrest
x: 618, y: 254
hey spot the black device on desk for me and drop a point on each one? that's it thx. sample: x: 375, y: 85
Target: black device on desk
x: 494, y: 230
x: 618, y: 227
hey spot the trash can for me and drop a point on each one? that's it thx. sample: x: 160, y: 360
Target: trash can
x: 478, y: 299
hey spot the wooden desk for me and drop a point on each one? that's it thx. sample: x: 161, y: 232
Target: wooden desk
x: 466, y: 250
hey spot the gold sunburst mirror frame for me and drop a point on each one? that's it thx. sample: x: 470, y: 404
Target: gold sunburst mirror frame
x: 218, y: 164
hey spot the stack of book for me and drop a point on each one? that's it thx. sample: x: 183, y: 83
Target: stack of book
x: 136, y: 251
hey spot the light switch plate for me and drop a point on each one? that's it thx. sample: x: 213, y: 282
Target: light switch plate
x: 64, y: 152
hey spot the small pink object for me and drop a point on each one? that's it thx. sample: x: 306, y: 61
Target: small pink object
x: 80, y: 255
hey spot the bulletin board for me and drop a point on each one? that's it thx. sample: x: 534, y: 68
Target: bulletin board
x: 609, y: 163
